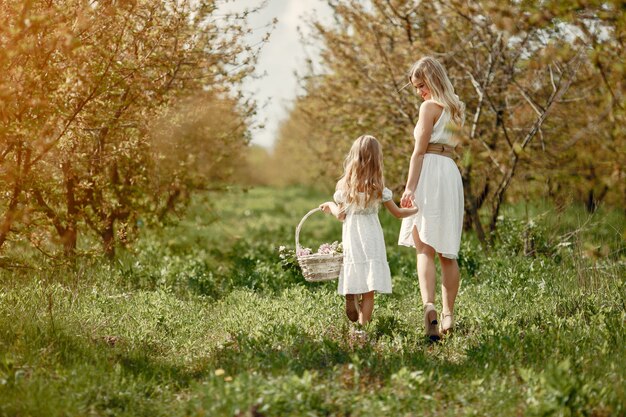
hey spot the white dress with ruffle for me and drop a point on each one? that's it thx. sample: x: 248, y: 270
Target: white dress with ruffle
x: 365, y: 266
x: 439, y: 199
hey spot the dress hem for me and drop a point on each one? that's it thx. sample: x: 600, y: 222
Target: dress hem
x: 363, y: 292
x: 425, y: 241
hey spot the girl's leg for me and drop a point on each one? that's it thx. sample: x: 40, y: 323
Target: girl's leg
x: 367, y: 307
x: 352, y: 307
x: 450, y: 278
x: 425, y: 268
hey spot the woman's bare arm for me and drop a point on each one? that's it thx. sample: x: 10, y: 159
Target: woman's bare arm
x: 429, y: 111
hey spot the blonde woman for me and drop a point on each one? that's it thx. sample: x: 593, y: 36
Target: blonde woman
x: 360, y: 192
x: 434, y: 186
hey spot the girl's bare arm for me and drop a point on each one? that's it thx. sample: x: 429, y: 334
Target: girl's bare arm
x: 398, y: 212
x: 331, y: 207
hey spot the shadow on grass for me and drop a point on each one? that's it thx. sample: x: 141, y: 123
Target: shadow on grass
x: 291, y: 350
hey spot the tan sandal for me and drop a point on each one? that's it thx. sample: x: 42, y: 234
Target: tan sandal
x: 352, y: 307
x: 447, y: 323
x: 430, y: 322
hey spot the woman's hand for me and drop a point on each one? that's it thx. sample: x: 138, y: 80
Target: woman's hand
x: 407, y: 199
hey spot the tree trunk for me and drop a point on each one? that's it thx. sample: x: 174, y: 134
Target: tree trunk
x: 471, y: 208
x: 7, y: 222
x: 594, y: 200
x: 70, y: 234
x: 108, y: 238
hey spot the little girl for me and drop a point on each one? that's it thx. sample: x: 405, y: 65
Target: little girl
x: 359, y: 194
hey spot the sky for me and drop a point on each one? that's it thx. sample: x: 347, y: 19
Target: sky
x: 279, y: 58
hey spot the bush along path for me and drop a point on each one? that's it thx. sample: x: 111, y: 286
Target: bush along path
x: 201, y: 319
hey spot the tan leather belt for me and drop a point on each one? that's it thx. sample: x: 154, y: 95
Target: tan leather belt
x: 441, y: 149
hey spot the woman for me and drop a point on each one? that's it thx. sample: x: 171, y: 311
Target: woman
x: 434, y: 185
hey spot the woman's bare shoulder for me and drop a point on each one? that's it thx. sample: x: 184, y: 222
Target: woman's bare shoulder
x: 431, y: 109
x: 432, y: 105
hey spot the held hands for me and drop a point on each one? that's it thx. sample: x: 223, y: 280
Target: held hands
x: 407, y: 199
x: 407, y: 202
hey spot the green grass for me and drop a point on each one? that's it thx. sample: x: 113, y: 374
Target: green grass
x: 200, y: 319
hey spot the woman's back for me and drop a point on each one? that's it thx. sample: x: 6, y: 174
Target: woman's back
x: 441, y: 133
x: 439, y: 197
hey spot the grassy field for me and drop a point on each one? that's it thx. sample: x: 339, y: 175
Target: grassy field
x: 201, y: 320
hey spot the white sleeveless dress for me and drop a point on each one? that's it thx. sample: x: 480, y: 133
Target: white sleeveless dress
x: 365, y: 266
x: 439, y: 198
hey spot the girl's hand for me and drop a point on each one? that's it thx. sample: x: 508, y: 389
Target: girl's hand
x: 407, y: 199
x: 325, y: 207
x: 332, y: 208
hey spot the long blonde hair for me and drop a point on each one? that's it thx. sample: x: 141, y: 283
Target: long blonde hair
x: 429, y: 70
x: 363, y: 172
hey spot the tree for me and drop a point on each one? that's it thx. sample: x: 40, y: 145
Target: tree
x: 512, y: 63
x: 83, y: 85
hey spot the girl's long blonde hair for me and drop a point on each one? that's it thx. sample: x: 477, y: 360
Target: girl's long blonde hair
x: 363, y: 172
x: 429, y: 70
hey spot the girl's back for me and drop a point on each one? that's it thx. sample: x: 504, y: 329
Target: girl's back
x: 364, y: 204
x: 365, y: 259
x: 359, y: 194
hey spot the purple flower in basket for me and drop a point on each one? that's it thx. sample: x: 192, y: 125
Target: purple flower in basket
x: 330, y: 248
x: 325, y: 249
x: 303, y: 251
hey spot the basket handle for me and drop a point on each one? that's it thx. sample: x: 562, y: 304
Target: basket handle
x: 306, y: 216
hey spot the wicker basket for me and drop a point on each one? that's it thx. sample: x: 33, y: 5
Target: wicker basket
x: 317, y: 266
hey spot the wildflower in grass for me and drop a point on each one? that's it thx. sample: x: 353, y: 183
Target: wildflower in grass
x: 288, y: 259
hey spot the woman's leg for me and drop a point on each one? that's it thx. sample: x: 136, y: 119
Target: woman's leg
x: 367, y: 307
x: 425, y: 268
x: 426, y: 276
x: 450, y: 278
